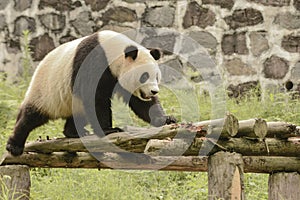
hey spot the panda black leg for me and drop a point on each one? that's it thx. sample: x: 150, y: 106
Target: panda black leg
x: 72, y: 131
x: 28, y: 119
x: 150, y: 111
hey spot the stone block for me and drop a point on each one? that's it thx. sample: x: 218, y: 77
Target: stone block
x: 59, y: 5
x: 119, y: 14
x: 3, y: 24
x: 13, y: 46
x: 84, y: 24
x: 3, y: 4
x: 159, y: 16
x: 244, y: 17
x: 21, y: 5
x: 171, y: 71
x: 24, y: 23
x: 295, y: 72
x: 258, y: 42
x: 291, y: 43
x: 234, y: 43
x: 164, y: 42
x: 275, y: 67
x: 97, y: 5
x: 198, y: 16
x: 204, y: 39
x: 135, y: 1
x: 236, y: 67
x: 54, y: 22
x: 223, y: 3
x: 41, y: 46
x: 278, y: 3
x: 297, y: 4
x: 66, y: 38
x: 288, y: 20
x: 241, y: 90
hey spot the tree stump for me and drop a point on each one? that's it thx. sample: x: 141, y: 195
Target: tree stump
x: 15, y: 182
x: 225, y: 176
x: 283, y: 185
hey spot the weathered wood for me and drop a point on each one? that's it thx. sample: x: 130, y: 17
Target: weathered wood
x: 14, y: 182
x: 244, y: 146
x: 220, y: 128
x: 188, y: 146
x: 252, y: 128
x: 284, y: 185
x: 115, y: 142
x: 253, y: 164
x: 282, y: 130
x: 225, y: 176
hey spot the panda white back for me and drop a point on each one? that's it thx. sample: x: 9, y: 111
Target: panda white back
x: 49, y: 88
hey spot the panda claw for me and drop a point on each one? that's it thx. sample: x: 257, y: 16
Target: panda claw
x: 14, y: 149
x: 171, y: 120
x: 112, y: 130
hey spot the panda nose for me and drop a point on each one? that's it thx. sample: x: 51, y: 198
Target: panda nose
x: 154, y: 92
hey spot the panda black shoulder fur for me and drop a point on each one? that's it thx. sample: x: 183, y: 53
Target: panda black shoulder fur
x: 76, y: 81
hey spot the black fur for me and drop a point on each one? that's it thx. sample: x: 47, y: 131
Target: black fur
x: 156, y: 54
x: 131, y: 52
x: 29, y: 118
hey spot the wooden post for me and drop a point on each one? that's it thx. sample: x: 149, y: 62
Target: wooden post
x: 225, y: 176
x: 14, y: 182
x: 283, y: 185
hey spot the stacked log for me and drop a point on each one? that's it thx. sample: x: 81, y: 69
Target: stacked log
x: 225, y: 148
x: 253, y: 138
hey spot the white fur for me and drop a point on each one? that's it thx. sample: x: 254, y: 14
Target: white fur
x: 50, y: 89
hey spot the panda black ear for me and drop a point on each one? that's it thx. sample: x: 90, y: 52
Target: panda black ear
x: 156, y: 54
x: 131, y: 52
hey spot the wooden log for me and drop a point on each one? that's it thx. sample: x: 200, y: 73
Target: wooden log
x: 252, y: 164
x: 284, y: 185
x: 14, y: 182
x: 252, y: 128
x: 220, y: 128
x: 115, y: 142
x: 282, y: 130
x: 244, y: 146
x: 225, y: 176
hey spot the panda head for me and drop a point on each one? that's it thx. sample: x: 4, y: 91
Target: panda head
x: 139, y: 73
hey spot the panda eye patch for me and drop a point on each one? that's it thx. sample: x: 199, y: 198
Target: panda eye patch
x: 145, y: 76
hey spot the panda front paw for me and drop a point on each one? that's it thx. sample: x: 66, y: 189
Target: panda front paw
x: 171, y: 119
x: 160, y: 121
x: 13, y: 148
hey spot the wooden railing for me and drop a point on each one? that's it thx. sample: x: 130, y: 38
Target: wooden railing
x: 225, y: 148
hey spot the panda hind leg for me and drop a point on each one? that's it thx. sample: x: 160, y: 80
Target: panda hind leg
x: 75, y: 131
x: 29, y: 118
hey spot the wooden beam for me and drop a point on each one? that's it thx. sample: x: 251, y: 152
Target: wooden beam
x: 253, y: 164
x: 206, y: 146
x: 253, y: 128
x: 14, y: 182
x: 284, y: 185
x: 282, y: 130
x: 226, y: 176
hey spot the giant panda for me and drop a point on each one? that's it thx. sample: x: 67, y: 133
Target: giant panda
x: 63, y: 86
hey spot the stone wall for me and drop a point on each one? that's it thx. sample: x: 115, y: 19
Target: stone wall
x: 253, y: 42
